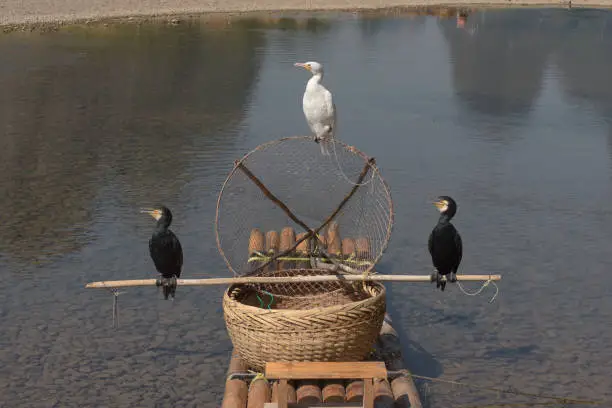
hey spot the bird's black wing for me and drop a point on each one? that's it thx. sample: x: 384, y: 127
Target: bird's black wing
x: 167, y: 253
x: 459, y: 245
x: 179, y: 254
x: 430, y: 243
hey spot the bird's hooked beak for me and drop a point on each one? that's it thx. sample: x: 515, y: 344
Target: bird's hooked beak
x: 302, y: 65
x: 152, y: 212
x: 441, y: 205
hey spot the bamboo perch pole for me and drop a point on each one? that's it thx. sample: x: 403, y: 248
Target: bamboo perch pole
x: 285, y: 279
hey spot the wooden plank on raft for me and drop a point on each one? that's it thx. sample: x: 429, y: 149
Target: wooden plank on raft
x: 324, y: 370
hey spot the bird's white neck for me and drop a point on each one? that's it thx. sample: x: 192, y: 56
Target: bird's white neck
x: 314, y: 81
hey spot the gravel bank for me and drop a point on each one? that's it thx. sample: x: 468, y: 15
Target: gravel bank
x: 20, y: 12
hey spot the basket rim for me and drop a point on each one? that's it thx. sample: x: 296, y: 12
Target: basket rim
x: 381, y: 292
x: 376, y: 170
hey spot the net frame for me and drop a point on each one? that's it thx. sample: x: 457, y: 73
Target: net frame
x: 316, y: 245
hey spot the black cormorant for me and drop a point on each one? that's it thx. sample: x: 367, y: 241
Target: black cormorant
x: 165, y: 249
x: 445, y: 244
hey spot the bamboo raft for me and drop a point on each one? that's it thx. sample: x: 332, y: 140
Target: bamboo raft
x: 243, y: 390
x: 377, y: 384
x: 379, y: 380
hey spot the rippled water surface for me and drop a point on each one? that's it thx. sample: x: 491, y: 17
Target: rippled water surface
x: 511, y: 114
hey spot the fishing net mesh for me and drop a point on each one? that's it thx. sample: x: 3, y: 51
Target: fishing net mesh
x: 287, y: 210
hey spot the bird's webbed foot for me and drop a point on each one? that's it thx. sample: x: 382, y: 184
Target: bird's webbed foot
x: 317, y: 139
x: 452, y: 277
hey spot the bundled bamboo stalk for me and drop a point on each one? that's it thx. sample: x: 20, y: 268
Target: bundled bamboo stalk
x: 236, y: 390
x: 272, y: 247
x: 383, y: 395
x: 308, y: 392
x: 259, y: 393
x: 354, y: 391
x: 404, y: 389
x: 333, y: 391
x: 334, y: 242
x: 287, y: 241
x: 291, y: 395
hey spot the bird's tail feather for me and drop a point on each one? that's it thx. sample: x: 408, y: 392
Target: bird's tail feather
x: 442, y: 285
x: 169, y: 289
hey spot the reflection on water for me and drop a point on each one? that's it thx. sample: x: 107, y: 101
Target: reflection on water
x: 510, y: 112
x: 118, y: 111
x: 498, y: 61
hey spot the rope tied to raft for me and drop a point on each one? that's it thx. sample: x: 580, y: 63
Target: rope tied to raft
x: 510, y: 390
x: 478, y: 291
x: 258, y: 376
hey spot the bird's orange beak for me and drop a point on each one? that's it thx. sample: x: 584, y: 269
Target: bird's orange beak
x: 152, y: 212
x: 302, y: 65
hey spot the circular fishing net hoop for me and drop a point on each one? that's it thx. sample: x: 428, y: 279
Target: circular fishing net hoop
x: 286, y: 206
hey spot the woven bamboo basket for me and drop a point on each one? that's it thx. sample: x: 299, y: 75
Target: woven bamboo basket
x: 336, y: 325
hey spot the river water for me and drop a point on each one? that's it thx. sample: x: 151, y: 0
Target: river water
x: 509, y: 112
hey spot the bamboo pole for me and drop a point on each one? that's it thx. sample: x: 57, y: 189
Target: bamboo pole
x: 259, y: 393
x: 285, y: 279
x: 287, y: 240
x: 333, y: 391
x: 354, y: 391
x: 404, y: 389
x: 383, y: 395
x: 334, y: 242
x: 308, y: 392
x: 236, y: 390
